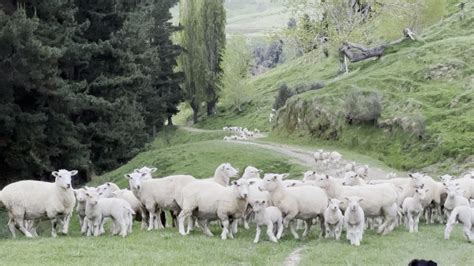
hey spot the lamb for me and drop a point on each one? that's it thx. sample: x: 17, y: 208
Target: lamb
x: 413, y: 208
x: 106, y: 190
x: 255, y: 194
x: 81, y: 198
x: 333, y: 219
x: 34, y: 200
x: 454, y: 199
x: 208, y: 200
x: 268, y: 216
x: 379, y: 200
x: 118, y: 210
x: 464, y: 215
x: 302, y: 202
x: 354, y: 220
x: 135, y: 204
x: 162, y: 193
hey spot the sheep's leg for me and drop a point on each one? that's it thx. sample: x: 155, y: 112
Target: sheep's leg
x: 293, y: 230
x: 225, y: 228
x: 328, y: 231
x: 161, y: 219
x: 467, y: 231
x: 123, y: 228
x: 257, y: 234
x: 54, y: 224
x: 151, y: 216
x: 66, y: 220
x: 11, y: 226
x: 322, y: 226
x: 204, y: 226
x: 270, y: 233
x: 411, y: 223
x: 235, y: 227
x: 84, y: 225
x: 417, y: 221
x: 280, y: 229
x: 307, y: 228
x: 338, y: 231
x: 448, y: 229
x: 183, y: 215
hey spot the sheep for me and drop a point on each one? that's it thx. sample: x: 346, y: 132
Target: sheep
x: 466, y: 184
x: 353, y: 179
x: 135, y: 204
x: 106, y: 190
x: 268, y: 216
x: 354, y: 220
x: 464, y: 215
x: 210, y: 201
x: 413, y: 208
x: 162, y: 193
x: 363, y: 171
x: 251, y: 172
x: 397, y: 181
x: 350, y: 167
x: 292, y: 183
x: 333, y: 219
x: 302, y: 202
x: 454, y: 199
x: 335, y: 158
x: 380, y: 200
x: 318, y: 156
x: 33, y: 200
x: 223, y: 174
x: 81, y: 198
x: 118, y: 210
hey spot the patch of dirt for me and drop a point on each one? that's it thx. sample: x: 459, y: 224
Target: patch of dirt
x: 294, y: 258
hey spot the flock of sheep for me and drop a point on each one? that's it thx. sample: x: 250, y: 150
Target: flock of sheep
x: 239, y: 133
x: 350, y: 203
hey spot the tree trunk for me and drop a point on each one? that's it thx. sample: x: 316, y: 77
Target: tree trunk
x: 195, y: 108
x: 211, y: 107
x: 170, y: 120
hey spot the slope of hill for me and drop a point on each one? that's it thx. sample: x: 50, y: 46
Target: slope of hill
x: 426, y: 90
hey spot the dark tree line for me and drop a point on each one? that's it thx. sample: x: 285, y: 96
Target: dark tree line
x: 83, y: 84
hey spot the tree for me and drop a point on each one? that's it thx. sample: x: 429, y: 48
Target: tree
x: 236, y: 66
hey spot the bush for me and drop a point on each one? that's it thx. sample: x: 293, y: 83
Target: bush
x: 362, y: 107
x: 284, y: 93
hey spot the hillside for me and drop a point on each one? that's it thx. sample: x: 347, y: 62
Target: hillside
x: 426, y: 90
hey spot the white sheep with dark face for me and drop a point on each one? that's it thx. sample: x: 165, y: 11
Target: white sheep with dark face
x: 34, y: 200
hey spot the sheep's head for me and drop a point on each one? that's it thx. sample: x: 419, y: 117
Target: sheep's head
x: 80, y: 194
x: 310, y: 176
x: 259, y: 205
x: 421, y: 192
x: 350, y: 179
x: 454, y: 190
x: 272, y: 181
x: 227, y: 171
x: 135, y: 180
x: 241, y: 187
x: 446, y: 178
x: 323, y: 181
x: 334, y: 204
x: 92, y: 197
x: 106, y: 190
x: 63, y: 178
x: 353, y: 203
x: 147, y: 170
x: 251, y: 172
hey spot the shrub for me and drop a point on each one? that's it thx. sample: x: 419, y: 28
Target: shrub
x: 362, y: 107
x: 284, y: 93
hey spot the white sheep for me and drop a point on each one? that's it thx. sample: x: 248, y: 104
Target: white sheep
x: 158, y: 194
x: 350, y: 167
x: 301, y: 202
x: 34, y: 200
x: 379, y: 200
x: 335, y: 158
x: 413, y: 208
x: 271, y: 217
x: 251, y: 172
x: 354, y: 220
x: 466, y: 184
x: 223, y: 174
x: 353, y: 179
x: 464, y: 215
x: 333, y: 219
x: 81, y: 198
x: 105, y: 190
x: 118, y: 210
x: 208, y: 201
x: 135, y: 203
x: 454, y: 199
x: 363, y: 171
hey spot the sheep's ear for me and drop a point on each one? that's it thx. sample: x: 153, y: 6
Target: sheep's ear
x: 251, y: 182
x: 327, y: 176
x: 127, y: 176
x: 55, y: 173
x: 234, y: 183
x: 285, y: 176
x: 143, y: 174
x: 153, y: 169
x: 360, y: 199
x: 411, y: 175
x: 108, y: 184
x: 263, y: 202
x: 347, y: 198
x: 74, y: 172
x: 136, y: 170
x: 314, y: 172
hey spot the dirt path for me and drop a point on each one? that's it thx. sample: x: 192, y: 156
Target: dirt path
x: 294, y: 258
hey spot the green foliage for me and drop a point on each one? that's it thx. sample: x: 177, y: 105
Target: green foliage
x: 236, y: 66
x: 284, y: 93
x: 362, y: 107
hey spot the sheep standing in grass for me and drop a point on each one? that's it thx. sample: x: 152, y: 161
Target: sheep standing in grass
x: 464, y: 215
x: 301, y: 202
x: 118, y: 210
x: 413, y: 208
x: 136, y: 205
x: 81, y: 199
x: 354, y: 220
x: 223, y: 174
x: 209, y: 201
x: 454, y: 199
x: 333, y: 219
x: 270, y: 217
x: 34, y: 200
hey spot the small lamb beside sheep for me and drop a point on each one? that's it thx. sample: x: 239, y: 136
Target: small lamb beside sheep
x: 464, y: 215
x: 354, y: 220
x: 333, y: 219
x: 271, y: 217
x: 413, y: 208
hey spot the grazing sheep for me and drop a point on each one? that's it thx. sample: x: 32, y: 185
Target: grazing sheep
x: 380, y: 200
x: 158, y: 194
x: 333, y: 219
x: 117, y: 209
x: 302, y: 202
x: 136, y: 204
x: 464, y: 215
x: 210, y: 201
x: 454, y: 199
x: 34, y: 200
x: 270, y: 217
x: 354, y: 220
x: 413, y: 208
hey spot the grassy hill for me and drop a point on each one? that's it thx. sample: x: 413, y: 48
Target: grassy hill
x: 426, y: 90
